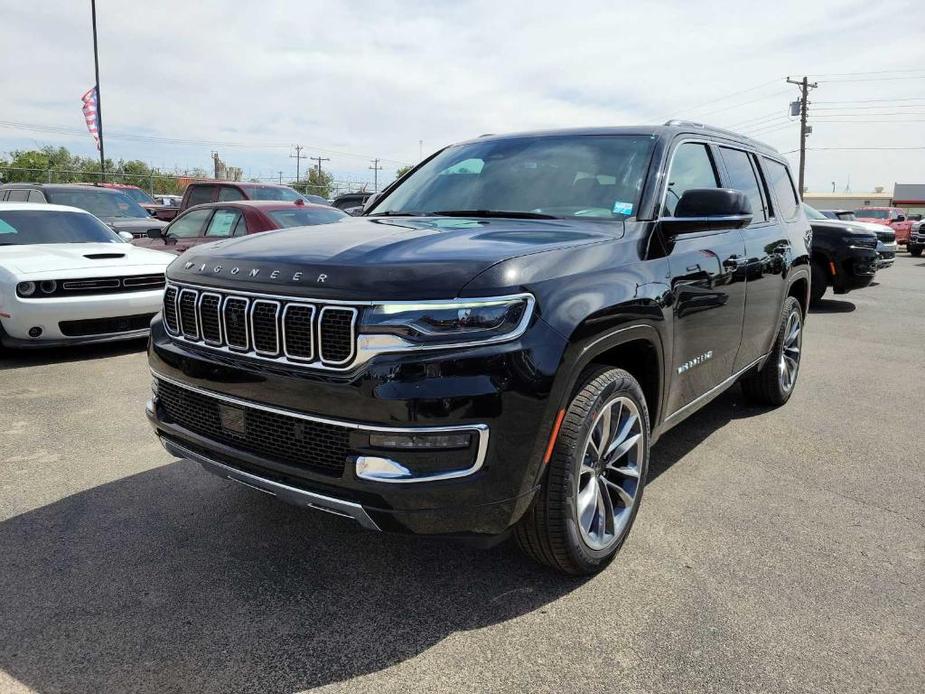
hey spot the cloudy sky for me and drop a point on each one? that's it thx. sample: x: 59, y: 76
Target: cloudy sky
x: 356, y: 80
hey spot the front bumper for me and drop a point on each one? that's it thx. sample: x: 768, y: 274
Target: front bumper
x: 501, y: 390
x: 855, y: 270
x: 18, y: 316
x: 916, y: 241
x: 886, y: 254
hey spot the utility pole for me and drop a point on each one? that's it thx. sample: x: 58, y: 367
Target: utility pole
x: 99, y: 99
x: 804, y: 85
x: 375, y: 168
x: 319, y: 160
x: 280, y: 176
x: 298, y: 156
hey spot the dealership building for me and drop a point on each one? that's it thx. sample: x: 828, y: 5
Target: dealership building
x: 909, y: 196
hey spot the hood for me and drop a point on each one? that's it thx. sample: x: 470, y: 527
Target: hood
x: 51, y: 259
x: 379, y: 258
x: 134, y: 224
x: 881, y: 231
x: 841, y: 227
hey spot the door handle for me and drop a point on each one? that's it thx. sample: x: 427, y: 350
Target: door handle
x: 734, y: 262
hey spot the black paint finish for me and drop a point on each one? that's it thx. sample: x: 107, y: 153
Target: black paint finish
x: 599, y: 286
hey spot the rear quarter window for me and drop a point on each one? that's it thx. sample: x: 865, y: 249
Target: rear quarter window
x: 781, y: 185
x: 199, y: 195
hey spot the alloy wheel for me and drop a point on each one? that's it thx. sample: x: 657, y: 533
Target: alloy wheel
x: 608, y: 480
x: 789, y: 363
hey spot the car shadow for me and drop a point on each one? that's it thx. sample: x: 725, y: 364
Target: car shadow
x: 174, y: 580
x: 694, y: 430
x: 832, y: 306
x: 22, y: 358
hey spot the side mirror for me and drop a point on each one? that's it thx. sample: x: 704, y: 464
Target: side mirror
x: 709, y: 209
x: 126, y: 236
x: 155, y: 233
x: 899, y: 218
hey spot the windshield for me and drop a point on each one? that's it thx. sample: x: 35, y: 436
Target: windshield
x: 598, y: 176
x: 813, y: 213
x: 271, y: 193
x: 99, y: 201
x: 20, y: 227
x: 873, y: 214
x: 138, y: 195
x: 306, y: 216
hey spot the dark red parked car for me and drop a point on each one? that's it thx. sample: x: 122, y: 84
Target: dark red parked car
x: 219, y: 220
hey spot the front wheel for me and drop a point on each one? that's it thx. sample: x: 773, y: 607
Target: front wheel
x: 589, y: 498
x: 773, y: 384
x: 915, y: 252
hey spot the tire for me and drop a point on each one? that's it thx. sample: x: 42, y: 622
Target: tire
x: 820, y: 281
x: 551, y: 531
x: 771, y: 385
x: 915, y: 252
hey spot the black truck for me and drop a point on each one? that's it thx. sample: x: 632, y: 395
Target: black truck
x: 495, y: 345
x: 844, y: 254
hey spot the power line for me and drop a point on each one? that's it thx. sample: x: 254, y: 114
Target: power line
x: 869, y: 72
x: 805, y: 86
x: 744, y: 103
x: 868, y: 101
x: 875, y: 79
x: 859, y: 149
x: 728, y: 96
x: 319, y: 160
x: 298, y: 156
x: 375, y: 168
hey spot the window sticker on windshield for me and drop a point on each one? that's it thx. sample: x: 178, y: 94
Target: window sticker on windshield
x: 5, y: 228
x: 623, y: 208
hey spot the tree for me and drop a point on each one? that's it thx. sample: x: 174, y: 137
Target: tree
x: 316, y: 183
x: 402, y: 170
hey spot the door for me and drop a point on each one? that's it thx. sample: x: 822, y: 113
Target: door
x: 223, y: 224
x: 180, y: 234
x: 768, y: 251
x: 708, y: 286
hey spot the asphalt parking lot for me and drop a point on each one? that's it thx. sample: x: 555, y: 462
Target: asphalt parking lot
x: 775, y: 550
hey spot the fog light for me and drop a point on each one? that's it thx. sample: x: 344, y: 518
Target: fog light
x: 420, y: 441
x: 25, y: 288
x: 48, y: 286
x: 35, y: 331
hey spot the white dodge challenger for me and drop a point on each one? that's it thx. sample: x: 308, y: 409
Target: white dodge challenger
x: 67, y: 278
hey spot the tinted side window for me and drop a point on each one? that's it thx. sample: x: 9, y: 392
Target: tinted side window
x: 780, y: 182
x: 200, y: 194
x: 227, y: 193
x: 189, y: 225
x: 240, y: 229
x: 36, y: 196
x: 691, y: 167
x: 742, y: 178
x: 20, y: 195
x: 223, y: 223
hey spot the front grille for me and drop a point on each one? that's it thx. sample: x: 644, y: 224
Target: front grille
x: 277, y: 328
x: 90, y: 286
x: 865, y: 243
x: 886, y: 236
x: 170, y: 310
x: 104, y: 326
x: 302, y: 443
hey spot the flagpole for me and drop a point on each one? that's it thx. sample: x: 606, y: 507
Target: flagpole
x: 99, y: 99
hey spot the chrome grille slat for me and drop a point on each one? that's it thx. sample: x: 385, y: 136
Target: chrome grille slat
x: 76, y: 285
x: 273, y: 328
x: 186, y: 310
x: 170, y: 310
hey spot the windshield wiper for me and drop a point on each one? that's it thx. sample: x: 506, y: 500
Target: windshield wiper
x: 511, y: 214
x: 396, y: 213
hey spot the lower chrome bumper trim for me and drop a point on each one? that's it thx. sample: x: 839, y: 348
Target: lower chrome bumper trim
x: 284, y: 492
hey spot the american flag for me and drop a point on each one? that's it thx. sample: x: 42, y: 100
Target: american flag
x: 91, y: 115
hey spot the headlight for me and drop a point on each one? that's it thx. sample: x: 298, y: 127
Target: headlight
x: 462, y: 321
x: 25, y: 288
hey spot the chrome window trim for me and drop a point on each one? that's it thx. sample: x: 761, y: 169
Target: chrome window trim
x: 481, y: 430
x: 236, y: 349
x: 221, y: 333
x: 277, y: 305
x: 353, y: 335
x: 180, y: 325
x: 311, y: 333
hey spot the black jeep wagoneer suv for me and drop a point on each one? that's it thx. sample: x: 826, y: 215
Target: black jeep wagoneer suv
x: 496, y: 343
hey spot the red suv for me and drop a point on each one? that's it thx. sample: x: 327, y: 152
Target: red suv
x: 220, y: 220
x: 895, y: 217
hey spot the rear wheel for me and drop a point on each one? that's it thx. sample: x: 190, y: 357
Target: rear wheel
x: 819, y: 283
x: 915, y: 252
x: 588, y: 501
x: 773, y: 384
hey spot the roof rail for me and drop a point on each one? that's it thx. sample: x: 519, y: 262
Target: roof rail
x: 712, y: 128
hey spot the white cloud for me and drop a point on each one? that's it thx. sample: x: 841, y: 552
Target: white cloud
x: 373, y: 78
